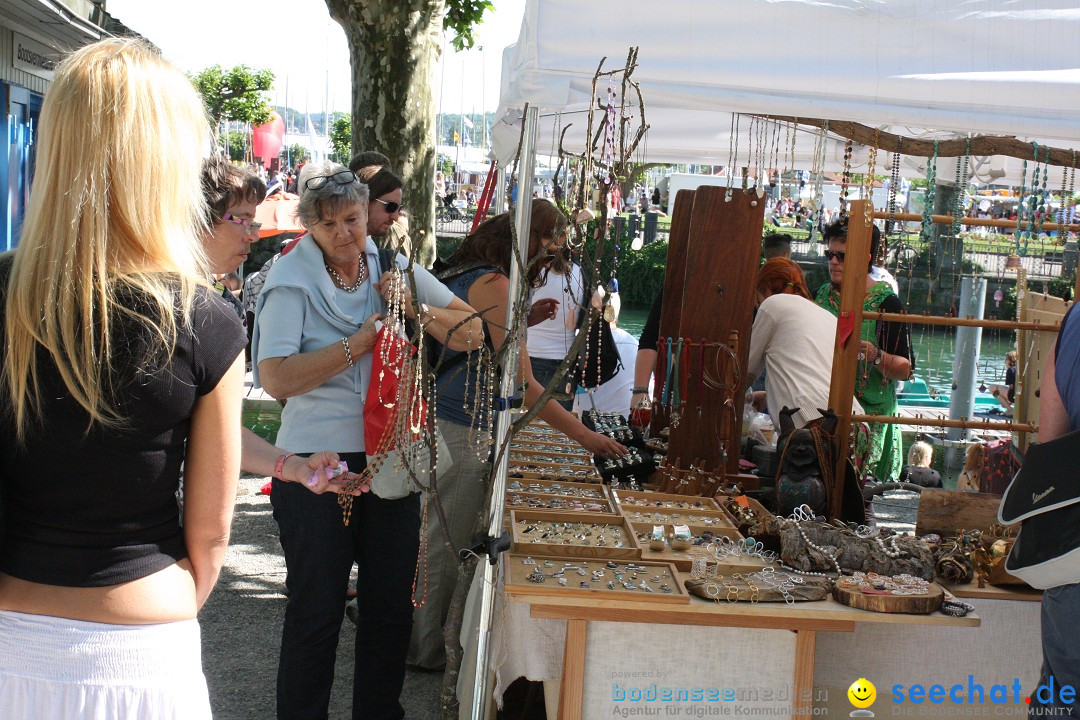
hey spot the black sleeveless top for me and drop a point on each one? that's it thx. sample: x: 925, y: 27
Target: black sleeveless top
x: 93, y: 508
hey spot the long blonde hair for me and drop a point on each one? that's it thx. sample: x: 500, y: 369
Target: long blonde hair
x: 116, y: 205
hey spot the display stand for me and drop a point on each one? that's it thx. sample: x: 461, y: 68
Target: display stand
x: 846, y: 345
x: 713, y: 255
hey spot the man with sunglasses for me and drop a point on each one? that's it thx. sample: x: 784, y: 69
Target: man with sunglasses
x: 884, y: 348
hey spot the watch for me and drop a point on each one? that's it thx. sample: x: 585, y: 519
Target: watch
x: 880, y: 355
x: 425, y: 309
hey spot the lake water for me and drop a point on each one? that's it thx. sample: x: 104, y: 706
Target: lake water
x: 935, y: 348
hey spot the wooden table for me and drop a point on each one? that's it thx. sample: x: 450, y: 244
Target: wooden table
x: 804, y: 619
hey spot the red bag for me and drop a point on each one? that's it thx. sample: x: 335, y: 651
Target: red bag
x: 383, y: 399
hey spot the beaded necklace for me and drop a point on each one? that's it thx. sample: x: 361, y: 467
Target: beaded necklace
x: 340, y: 282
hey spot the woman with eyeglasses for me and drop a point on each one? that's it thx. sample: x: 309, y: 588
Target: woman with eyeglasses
x: 314, y: 334
x: 232, y: 196
x: 120, y: 365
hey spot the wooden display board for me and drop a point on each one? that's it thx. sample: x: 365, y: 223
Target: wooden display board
x: 516, y: 581
x: 946, y: 511
x: 713, y: 253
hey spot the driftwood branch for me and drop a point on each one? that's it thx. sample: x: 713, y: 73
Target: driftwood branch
x: 980, y: 145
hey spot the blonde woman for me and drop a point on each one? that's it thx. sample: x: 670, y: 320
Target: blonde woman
x: 918, y: 470
x: 119, y: 366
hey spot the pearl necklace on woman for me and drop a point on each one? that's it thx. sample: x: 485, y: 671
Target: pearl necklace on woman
x: 340, y: 283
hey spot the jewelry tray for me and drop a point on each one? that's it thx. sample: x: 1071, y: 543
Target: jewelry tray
x: 605, y: 505
x: 715, y: 521
x: 519, y: 472
x: 622, y: 496
x: 515, y: 582
x: 523, y: 542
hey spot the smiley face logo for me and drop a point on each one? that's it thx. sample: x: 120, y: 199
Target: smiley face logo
x: 862, y: 693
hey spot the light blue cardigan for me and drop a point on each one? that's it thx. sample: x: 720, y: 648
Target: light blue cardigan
x: 301, y: 310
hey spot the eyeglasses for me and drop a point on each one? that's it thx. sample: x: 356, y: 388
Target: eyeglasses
x: 343, y: 177
x: 829, y: 255
x: 391, y: 207
x: 249, y: 226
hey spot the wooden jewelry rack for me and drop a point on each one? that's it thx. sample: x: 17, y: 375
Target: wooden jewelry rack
x: 845, y: 352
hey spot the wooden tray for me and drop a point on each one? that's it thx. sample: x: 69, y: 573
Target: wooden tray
x: 560, y: 503
x: 715, y: 521
x: 627, y: 498
x: 910, y: 604
x: 524, y: 542
x: 518, y: 472
x: 683, y: 559
x: 515, y: 582
x: 554, y: 487
x: 520, y: 457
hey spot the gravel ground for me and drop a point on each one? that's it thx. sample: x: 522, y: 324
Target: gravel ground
x: 241, y: 626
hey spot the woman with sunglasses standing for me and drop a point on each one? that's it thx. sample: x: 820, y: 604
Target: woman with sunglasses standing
x: 314, y: 335
x: 884, y: 349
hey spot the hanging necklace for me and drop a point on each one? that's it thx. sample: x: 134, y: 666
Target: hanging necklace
x: 340, y: 282
x: 845, y: 179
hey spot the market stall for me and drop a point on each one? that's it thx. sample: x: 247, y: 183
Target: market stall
x: 902, y: 65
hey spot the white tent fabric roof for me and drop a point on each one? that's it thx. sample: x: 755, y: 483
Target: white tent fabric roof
x: 1008, y: 67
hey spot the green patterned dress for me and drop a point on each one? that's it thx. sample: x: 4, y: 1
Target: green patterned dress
x: 875, y: 393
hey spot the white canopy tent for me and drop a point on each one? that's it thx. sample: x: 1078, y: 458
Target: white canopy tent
x: 1005, y: 67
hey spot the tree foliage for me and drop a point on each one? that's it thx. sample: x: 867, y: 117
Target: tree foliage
x: 341, y: 138
x: 238, y: 145
x: 462, y: 16
x: 235, y: 94
x: 293, y: 155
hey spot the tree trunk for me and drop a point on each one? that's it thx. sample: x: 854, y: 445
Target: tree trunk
x: 393, y: 45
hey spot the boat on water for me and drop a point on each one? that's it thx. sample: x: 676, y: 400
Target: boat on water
x: 916, y: 393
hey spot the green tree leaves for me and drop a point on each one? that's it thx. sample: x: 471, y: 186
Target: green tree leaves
x: 462, y: 16
x: 235, y: 94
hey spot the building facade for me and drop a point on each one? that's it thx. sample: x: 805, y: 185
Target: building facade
x: 34, y: 35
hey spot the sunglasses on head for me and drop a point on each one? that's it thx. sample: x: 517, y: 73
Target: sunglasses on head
x: 391, y: 207
x: 342, y: 177
x: 839, y: 256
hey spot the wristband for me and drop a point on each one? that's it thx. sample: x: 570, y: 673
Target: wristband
x: 637, y: 390
x: 280, y: 464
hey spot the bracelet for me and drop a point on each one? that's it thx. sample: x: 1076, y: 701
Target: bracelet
x: 348, y: 352
x: 280, y: 465
x: 635, y: 391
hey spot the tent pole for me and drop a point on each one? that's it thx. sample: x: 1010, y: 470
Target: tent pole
x: 507, y: 389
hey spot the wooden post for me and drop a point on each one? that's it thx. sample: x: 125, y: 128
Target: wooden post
x: 573, y: 670
x: 719, y: 274
x: 846, y: 351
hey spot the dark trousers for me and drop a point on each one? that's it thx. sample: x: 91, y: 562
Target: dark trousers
x: 383, y: 539
x: 544, y: 369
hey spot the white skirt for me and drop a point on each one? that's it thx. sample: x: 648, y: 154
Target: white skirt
x: 61, y: 669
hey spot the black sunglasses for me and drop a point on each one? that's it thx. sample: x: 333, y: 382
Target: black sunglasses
x: 391, y: 207
x: 342, y: 177
x: 829, y: 255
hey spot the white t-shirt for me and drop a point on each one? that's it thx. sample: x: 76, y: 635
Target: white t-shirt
x: 614, y: 396
x: 551, y: 339
x: 793, y: 339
